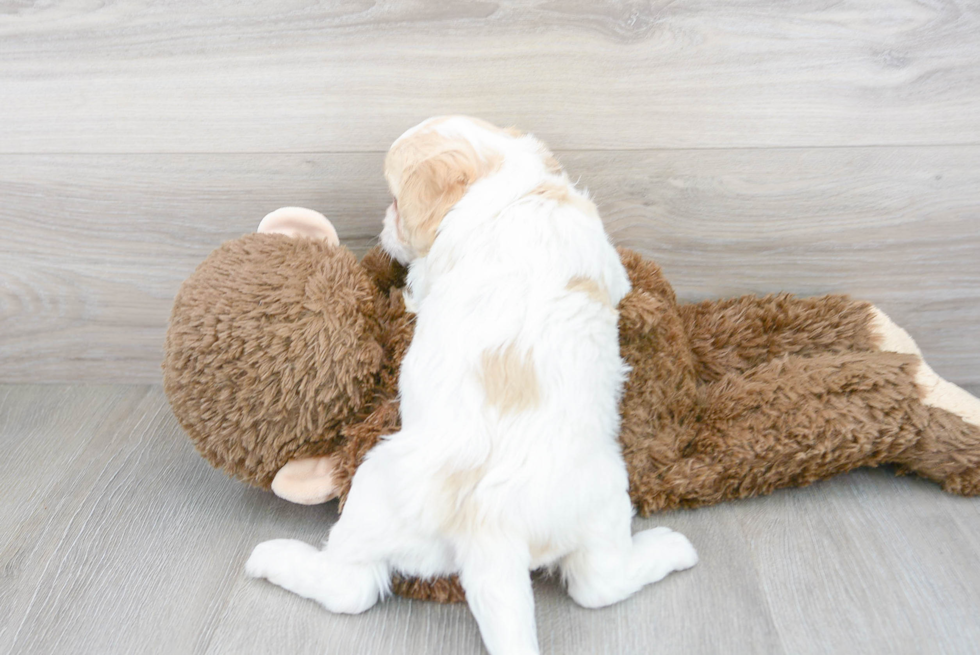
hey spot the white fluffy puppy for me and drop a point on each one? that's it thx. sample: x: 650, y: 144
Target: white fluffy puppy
x: 508, y: 458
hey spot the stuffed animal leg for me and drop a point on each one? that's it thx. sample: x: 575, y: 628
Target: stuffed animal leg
x: 795, y: 420
x: 737, y: 334
x: 736, y: 398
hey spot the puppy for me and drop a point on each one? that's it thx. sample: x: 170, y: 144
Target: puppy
x: 507, y: 459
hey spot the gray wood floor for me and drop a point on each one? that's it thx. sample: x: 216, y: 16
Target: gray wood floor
x: 115, y: 537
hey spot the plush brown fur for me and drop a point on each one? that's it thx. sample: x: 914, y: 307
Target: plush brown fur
x: 281, y: 348
x: 736, y: 398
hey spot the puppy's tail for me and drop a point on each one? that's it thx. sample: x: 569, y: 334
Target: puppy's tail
x: 496, y: 576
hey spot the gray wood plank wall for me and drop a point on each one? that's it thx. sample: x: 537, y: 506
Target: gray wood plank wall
x: 810, y: 147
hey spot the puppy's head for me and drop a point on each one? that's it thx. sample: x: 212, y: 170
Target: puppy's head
x: 429, y: 169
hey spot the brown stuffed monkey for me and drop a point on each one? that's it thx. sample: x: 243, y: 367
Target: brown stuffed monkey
x: 283, y: 352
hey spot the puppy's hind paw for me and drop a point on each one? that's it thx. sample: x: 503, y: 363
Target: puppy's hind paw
x: 673, y: 550
x: 685, y: 555
x: 275, y: 560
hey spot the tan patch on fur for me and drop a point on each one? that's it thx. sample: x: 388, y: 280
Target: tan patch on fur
x: 552, y: 165
x: 510, y: 380
x: 541, y: 551
x: 429, y: 173
x: 551, y: 191
x: 584, y: 205
x: 561, y: 193
x: 591, y: 288
x: 461, y: 513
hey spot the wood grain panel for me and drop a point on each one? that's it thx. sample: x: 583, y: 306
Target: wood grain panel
x: 300, y: 76
x: 118, y: 538
x: 95, y: 246
x: 918, y: 593
x: 129, y: 549
x: 45, y: 434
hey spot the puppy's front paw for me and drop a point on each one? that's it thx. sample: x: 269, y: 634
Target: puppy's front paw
x: 274, y: 560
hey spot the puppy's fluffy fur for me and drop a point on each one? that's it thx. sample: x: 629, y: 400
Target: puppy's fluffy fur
x: 508, y: 458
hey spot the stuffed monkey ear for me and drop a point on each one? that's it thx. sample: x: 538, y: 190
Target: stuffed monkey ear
x: 299, y: 222
x: 307, y: 481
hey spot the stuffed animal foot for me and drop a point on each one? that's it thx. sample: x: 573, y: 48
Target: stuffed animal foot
x: 946, y: 451
x: 936, y: 392
x: 341, y: 587
x: 966, y: 483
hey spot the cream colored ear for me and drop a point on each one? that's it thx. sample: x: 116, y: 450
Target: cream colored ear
x: 307, y: 481
x: 299, y: 222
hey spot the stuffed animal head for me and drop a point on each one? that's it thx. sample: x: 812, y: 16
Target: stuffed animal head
x: 275, y: 344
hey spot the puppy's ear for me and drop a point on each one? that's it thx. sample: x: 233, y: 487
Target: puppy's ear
x: 435, y: 184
